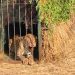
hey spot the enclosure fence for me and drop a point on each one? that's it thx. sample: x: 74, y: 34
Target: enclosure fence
x: 11, y: 11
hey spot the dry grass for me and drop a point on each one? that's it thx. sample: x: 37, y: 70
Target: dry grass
x: 63, y: 40
x: 38, y: 69
x: 63, y: 44
x: 64, y: 55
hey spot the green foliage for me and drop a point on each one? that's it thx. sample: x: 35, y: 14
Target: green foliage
x: 53, y: 11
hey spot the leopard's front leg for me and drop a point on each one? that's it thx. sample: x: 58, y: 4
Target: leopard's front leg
x: 32, y: 52
x: 20, y: 54
x: 23, y: 59
x: 31, y: 58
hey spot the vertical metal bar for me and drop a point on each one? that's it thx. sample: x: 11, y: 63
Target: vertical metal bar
x: 8, y: 24
x: 14, y: 29
x: 31, y: 19
x: 2, y: 40
x: 19, y: 19
x: 1, y: 25
x: 39, y: 38
x: 26, y: 26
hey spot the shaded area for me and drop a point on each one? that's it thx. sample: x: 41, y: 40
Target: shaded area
x: 23, y: 33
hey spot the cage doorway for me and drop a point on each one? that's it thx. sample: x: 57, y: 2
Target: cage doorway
x: 23, y: 33
x: 19, y: 18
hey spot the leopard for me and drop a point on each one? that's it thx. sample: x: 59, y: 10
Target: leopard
x: 23, y: 47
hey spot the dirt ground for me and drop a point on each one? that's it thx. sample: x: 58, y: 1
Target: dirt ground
x: 60, y: 68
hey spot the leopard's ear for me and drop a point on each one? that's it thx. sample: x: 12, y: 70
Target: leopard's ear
x: 36, y: 38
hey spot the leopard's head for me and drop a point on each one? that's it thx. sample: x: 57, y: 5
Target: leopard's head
x: 30, y: 40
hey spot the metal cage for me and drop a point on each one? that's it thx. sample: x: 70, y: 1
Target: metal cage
x: 18, y: 17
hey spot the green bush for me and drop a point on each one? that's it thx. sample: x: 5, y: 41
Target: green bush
x: 54, y: 11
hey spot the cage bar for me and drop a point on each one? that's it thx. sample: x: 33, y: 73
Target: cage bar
x: 19, y: 19
x: 14, y: 28
x: 26, y: 26
x: 8, y: 24
x: 39, y: 39
x: 0, y: 26
x: 2, y: 33
x: 31, y: 18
